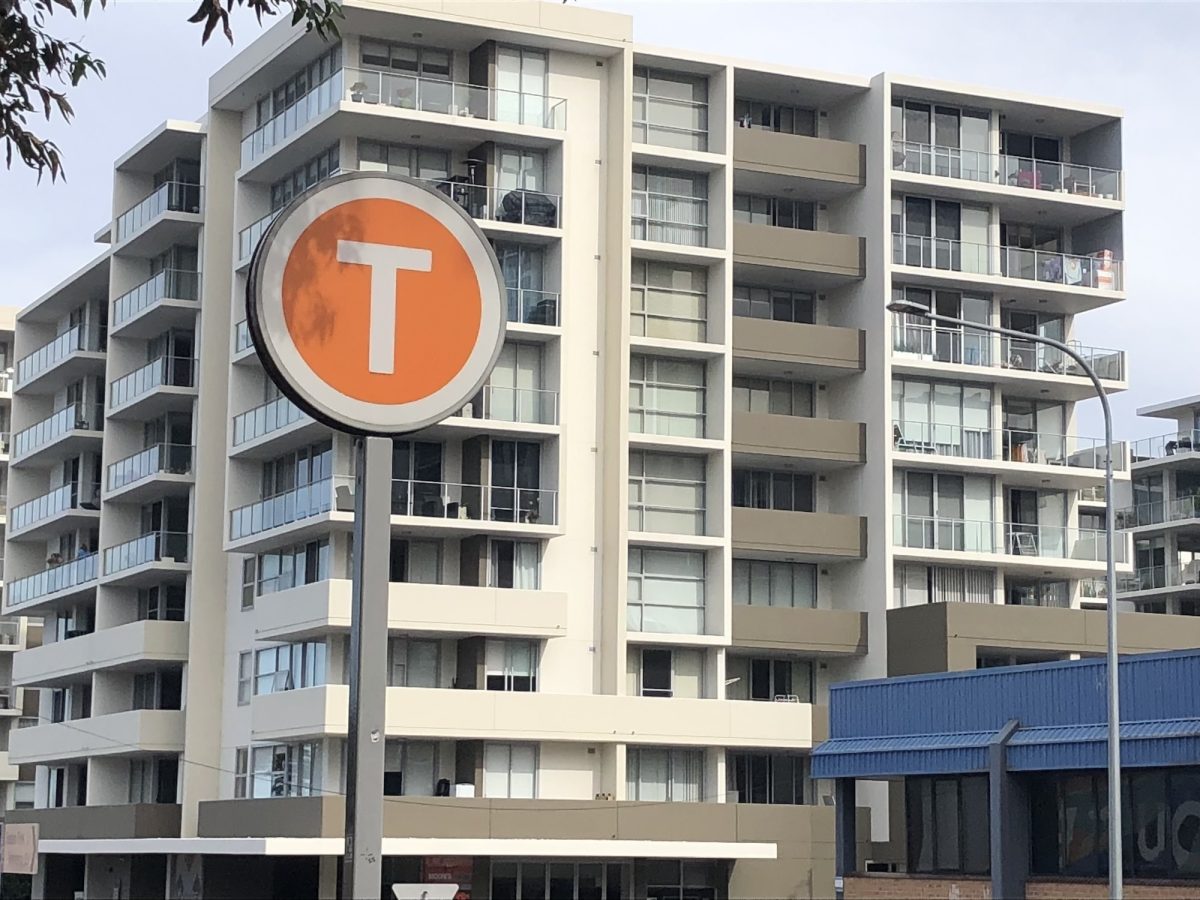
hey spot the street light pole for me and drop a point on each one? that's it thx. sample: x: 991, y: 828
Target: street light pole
x: 1115, y: 848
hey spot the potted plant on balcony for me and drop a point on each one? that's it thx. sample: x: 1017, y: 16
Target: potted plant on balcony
x: 358, y: 91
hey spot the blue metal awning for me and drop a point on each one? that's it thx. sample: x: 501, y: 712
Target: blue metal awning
x: 1163, y: 742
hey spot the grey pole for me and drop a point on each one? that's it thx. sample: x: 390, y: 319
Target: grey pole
x: 362, y: 870
x: 1116, y: 858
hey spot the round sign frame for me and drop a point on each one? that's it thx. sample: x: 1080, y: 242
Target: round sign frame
x: 283, y: 362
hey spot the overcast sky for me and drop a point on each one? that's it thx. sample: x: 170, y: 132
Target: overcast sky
x: 1141, y: 57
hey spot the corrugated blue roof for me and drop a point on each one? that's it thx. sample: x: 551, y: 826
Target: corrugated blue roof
x: 928, y: 724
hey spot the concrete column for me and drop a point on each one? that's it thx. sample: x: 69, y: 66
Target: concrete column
x: 327, y: 878
x: 1009, y: 853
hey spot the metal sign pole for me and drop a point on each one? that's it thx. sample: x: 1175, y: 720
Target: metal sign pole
x: 362, y: 871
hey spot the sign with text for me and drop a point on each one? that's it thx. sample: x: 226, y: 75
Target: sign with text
x: 19, y: 849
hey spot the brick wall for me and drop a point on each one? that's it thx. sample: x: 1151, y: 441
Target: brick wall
x: 916, y: 887
x: 1098, y: 890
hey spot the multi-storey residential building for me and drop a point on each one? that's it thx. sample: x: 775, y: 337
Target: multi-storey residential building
x: 707, y: 465
x: 1161, y: 509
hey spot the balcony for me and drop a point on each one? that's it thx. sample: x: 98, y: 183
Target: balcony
x: 809, y: 536
x: 162, y: 385
x: 312, y: 610
x: 1098, y: 271
x: 167, y: 300
x: 136, y: 731
x: 524, y: 406
x: 500, y: 715
x: 69, y: 431
x: 169, y: 215
x: 249, y: 236
x: 812, y: 632
x: 65, y: 508
x: 10, y: 635
x: 1071, y: 460
x: 1072, y: 179
x: 1148, y: 579
x: 529, y: 307
x: 819, y: 352
x: 406, y: 92
x: 158, y: 471
x: 815, y: 259
x: 151, y: 558
x: 766, y: 161
x: 94, y: 822
x: 132, y: 646
x: 243, y: 343
x: 669, y: 219
x: 988, y: 358
x: 266, y: 430
x: 509, y: 206
x: 76, y: 352
x: 305, y: 504
x: 42, y: 590
x: 822, y: 443
x: 1182, y: 444
x: 1018, y: 541
x: 1163, y: 512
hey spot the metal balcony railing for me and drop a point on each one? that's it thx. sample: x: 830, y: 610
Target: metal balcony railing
x: 1007, y: 444
x: 1164, y: 445
x: 1008, y: 538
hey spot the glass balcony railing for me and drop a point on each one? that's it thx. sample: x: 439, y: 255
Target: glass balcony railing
x: 1016, y: 171
x: 172, y: 284
x: 1007, y: 444
x: 10, y: 633
x: 530, y: 307
x: 172, y: 196
x: 5, y: 443
x: 977, y: 348
x: 519, y: 206
x: 1152, y: 578
x: 1095, y: 493
x: 173, y: 459
x: 1099, y: 270
x: 6, y: 382
x: 242, y: 341
x: 676, y: 410
x: 76, y: 573
x: 1159, y: 512
x: 529, y: 406
x: 154, y: 546
x: 75, y: 417
x: 1010, y: 539
x: 271, y: 416
x: 670, y: 218
x: 475, y: 502
x: 249, y: 236
x: 402, y: 91
x: 453, y: 99
x: 1164, y: 445
x: 172, y: 371
x: 74, y: 339
x: 61, y: 499
x: 295, y: 505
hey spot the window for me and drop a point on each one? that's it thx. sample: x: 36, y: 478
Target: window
x: 664, y: 775
x: 946, y: 419
x: 666, y: 493
x: 413, y: 663
x: 163, y: 602
x: 409, y: 768
x: 958, y: 344
x: 777, y: 778
x: 770, y: 303
x: 770, y: 679
x: 153, y: 779
x: 241, y: 769
x: 514, y: 390
x: 302, y: 178
x: 940, y: 234
x: 524, y: 270
x: 914, y: 585
x: 670, y: 206
x: 939, y: 511
x: 285, y: 770
x: 661, y: 672
x: 780, y: 213
x: 520, y: 169
x: 656, y: 673
x: 510, y: 771
x: 757, y: 489
x: 292, y: 471
x: 772, y: 396
x: 1038, y: 592
x: 666, y: 396
x: 757, y: 582
x: 521, y: 74
x: 941, y: 140
x: 585, y: 880
x: 245, y: 684
x: 426, y: 62
x: 289, y: 567
x: 415, y: 562
x: 248, y: 581
x: 425, y: 163
x: 510, y: 665
x: 158, y: 690
x: 670, y: 109
x: 298, y: 86
x: 514, y: 564
x: 948, y: 824
x: 1034, y: 432
x: 289, y: 667
x: 668, y: 300
x: 666, y: 591
x: 775, y: 117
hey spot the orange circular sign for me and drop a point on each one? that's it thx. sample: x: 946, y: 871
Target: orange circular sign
x: 376, y: 303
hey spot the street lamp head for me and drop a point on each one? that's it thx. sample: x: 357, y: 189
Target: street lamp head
x: 909, y: 307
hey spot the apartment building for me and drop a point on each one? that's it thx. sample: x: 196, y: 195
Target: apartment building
x: 710, y: 475
x: 1159, y: 509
